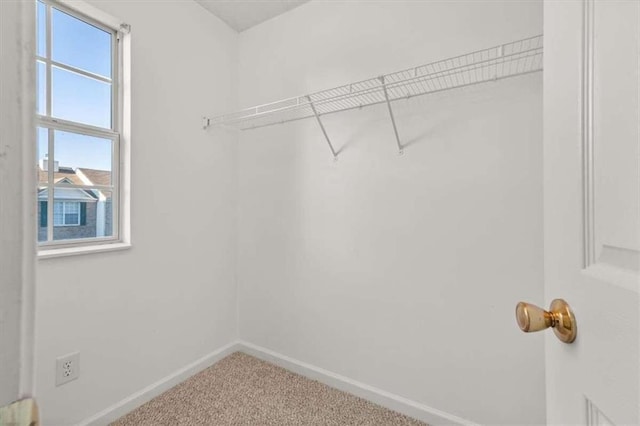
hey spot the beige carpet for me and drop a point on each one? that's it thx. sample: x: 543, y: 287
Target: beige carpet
x: 243, y: 390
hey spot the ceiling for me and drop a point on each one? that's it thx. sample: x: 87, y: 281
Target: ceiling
x: 244, y: 14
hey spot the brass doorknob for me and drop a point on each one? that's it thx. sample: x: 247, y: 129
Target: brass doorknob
x: 559, y: 316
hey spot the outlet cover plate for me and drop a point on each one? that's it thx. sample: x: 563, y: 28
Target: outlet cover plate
x: 67, y: 368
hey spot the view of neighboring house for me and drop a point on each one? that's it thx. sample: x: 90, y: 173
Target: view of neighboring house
x: 77, y: 213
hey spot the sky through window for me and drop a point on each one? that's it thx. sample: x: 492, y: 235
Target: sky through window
x: 75, y: 96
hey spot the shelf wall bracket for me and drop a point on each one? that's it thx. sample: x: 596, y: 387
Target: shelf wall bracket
x: 324, y: 132
x: 393, y: 119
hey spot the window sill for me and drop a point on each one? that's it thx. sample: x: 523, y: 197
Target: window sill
x: 76, y: 251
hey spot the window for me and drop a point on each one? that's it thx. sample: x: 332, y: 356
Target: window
x: 78, y: 109
x: 66, y: 213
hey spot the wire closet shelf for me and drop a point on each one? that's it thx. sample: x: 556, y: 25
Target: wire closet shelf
x: 495, y: 63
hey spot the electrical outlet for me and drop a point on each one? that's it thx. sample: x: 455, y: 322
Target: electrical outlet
x: 67, y: 368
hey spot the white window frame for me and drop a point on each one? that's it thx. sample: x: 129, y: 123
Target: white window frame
x: 118, y: 133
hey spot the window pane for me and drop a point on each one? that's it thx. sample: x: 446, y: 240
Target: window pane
x: 58, y: 213
x: 79, y: 44
x: 72, y: 208
x: 41, y: 22
x: 71, y: 219
x: 79, y: 98
x: 41, y: 83
x: 43, y: 154
x: 72, y: 213
x: 84, y: 160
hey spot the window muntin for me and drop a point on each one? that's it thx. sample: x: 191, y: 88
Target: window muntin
x: 78, y: 144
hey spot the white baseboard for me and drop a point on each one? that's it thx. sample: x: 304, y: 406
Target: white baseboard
x: 430, y: 415
x: 135, y: 400
x: 388, y: 400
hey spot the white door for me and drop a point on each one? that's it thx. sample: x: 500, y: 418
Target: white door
x: 592, y: 208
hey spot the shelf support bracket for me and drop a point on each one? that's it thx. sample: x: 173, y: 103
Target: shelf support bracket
x: 393, y: 119
x: 324, y: 132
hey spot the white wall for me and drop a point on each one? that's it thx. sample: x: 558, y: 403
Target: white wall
x: 139, y: 315
x: 401, y: 272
